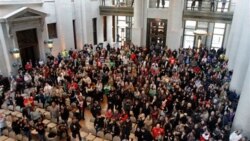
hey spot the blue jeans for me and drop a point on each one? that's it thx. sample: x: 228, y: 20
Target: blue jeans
x: 28, y: 134
x: 41, y: 137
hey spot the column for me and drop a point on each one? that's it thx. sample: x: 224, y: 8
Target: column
x: 138, y: 22
x: 240, y: 49
x: 175, y: 22
x: 241, y: 65
x: 241, y: 120
x: 235, y: 32
x: 64, y: 17
x: 109, y: 30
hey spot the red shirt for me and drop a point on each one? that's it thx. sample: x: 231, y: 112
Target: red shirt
x: 171, y: 60
x: 28, y: 67
x: 133, y: 56
x: 156, y: 132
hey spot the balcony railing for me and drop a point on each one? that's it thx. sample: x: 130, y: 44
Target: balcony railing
x: 19, y: 2
x: 159, y: 3
x: 209, y: 5
x: 117, y: 3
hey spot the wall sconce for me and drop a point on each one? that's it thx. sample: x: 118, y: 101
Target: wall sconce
x: 122, y: 36
x: 49, y: 44
x: 199, y: 33
x: 16, y: 54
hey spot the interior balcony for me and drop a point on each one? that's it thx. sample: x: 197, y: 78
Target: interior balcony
x: 117, y: 9
x: 208, y: 11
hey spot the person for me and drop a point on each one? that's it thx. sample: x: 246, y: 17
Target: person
x: 103, y: 2
x: 193, y: 4
x: 118, y: 3
x: 40, y: 128
x: 126, y: 128
x: 64, y: 113
x: 26, y: 129
x: 212, y: 5
x: 158, y: 132
x: 108, y: 47
x: 2, y: 123
x: 235, y: 136
x: 16, y: 126
x: 99, y: 123
x: 54, y: 112
x: 75, y: 129
x: 163, y: 3
x: 158, y: 3
x: 28, y: 66
x: 200, y: 5
x: 62, y: 128
x: 96, y: 109
x: 223, y: 5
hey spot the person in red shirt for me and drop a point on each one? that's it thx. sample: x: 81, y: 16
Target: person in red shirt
x: 28, y: 66
x: 158, y: 132
x: 109, y: 114
x: 171, y: 60
x: 123, y: 117
x: 133, y: 57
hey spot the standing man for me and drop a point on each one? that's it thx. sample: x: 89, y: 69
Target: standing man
x: 223, y: 5
x: 193, y: 5
x: 75, y: 129
x: 118, y: 3
x: 212, y: 4
x: 103, y: 2
x: 200, y: 4
x: 158, y: 3
x: 163, y: 3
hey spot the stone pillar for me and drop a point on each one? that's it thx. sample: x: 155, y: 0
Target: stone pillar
x: 241, y: 65
x: 241, y: 120
x: 236, y: 30
x: 109, y: 30
x: 138, y: 22
x: 239, y: 50
x: 175, y: 29
x: 64, y: 23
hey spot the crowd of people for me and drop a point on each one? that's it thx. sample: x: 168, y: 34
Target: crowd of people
x: 156, y: 93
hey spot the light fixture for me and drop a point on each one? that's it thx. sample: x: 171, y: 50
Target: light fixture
x: 16, y: 53
x: 199, y: 41
x: 49, y: 44
x: 200, y: 32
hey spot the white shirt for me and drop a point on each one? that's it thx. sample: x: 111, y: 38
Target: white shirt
x: 235, y: 137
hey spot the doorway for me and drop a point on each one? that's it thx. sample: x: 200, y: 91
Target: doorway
x: 94, y: 20
x: 156, y: 32
x: 28, y: 46
x: 105, y: 28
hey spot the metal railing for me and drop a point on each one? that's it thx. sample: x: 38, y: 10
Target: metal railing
x: 208, y: 5
x: 117, y: 3
x: 159, y: 3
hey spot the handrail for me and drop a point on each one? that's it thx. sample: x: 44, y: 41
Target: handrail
x: 207, y: 5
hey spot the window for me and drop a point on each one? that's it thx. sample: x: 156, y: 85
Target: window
x: 218, y: 35
x: 52, y: 32
x: 159, y: 3
x: 124, y: 25
x: 188, y: 41
x: 189, y: 36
